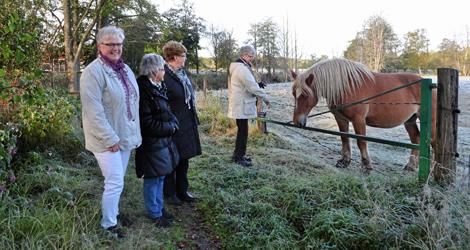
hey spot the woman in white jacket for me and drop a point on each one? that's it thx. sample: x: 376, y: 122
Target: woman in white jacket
x: 242, y: 93
x: 110, y: 115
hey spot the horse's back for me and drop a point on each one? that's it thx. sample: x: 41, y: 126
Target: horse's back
x: 394, y: 108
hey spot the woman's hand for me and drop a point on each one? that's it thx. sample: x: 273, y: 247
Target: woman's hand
x: 114, y: 148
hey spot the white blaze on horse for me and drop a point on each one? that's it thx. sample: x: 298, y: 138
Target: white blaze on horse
x: 341, y: 82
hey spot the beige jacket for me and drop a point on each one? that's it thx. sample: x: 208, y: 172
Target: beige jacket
x: 242, y: 92
x: 104, y: 112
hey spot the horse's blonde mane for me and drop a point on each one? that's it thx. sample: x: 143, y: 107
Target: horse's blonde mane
x: 332, y: 79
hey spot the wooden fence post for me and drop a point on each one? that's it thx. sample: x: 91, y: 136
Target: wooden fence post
x: 446, y: 127
x: 204, y: 86
x: 259, y: 108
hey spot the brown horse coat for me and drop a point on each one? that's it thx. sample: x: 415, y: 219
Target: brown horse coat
x: 341, y: 81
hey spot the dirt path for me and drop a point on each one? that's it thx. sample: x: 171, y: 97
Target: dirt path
x: 197, y: 234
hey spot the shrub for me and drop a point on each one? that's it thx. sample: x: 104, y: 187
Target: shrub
x: 8, y: 137
x: 45, y: 115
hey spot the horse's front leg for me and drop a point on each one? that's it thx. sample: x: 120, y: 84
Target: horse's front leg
x: 360, y: 129
x: 343, y: 125
x: 413, y: 132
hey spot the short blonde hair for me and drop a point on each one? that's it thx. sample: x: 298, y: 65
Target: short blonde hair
x: 172, y: 49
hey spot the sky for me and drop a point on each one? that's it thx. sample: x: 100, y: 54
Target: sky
x: 325, y: 27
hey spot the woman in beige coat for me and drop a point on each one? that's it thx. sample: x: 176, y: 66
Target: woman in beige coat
x: 242, y: 93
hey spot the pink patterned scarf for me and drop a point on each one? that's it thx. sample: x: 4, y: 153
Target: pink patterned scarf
x: 119, y: 67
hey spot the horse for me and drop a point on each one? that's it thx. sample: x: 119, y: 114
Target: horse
x: 341, y: 81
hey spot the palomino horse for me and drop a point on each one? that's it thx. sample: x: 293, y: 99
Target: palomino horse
x: 341, y: 81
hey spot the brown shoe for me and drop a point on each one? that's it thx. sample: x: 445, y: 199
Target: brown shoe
x: 124, y: 220
x: 162, y: 222
x: 167, y: 215
x: 116, y: 232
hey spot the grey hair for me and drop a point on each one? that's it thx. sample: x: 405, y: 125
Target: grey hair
x: 109, y: 31
x: 150, y: 64
x: 246, y: 50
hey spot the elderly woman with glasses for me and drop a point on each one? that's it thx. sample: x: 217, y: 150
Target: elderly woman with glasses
x: 110, y: 114
x: 183, y: 104
x: 242, y: 93
x: 157, y: 156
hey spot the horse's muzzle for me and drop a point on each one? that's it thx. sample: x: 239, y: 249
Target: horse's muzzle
x: 301, y: 121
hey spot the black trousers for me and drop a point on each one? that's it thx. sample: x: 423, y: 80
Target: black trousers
x: 242, y: 138
x: 177, y: 183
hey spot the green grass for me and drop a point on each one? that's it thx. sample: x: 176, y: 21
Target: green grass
x: 285, y: 201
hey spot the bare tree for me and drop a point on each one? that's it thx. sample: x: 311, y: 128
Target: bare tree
x: 295, y: 53
x: 465, y: 69
x: 223, y: 48
x: 265, y: 39
x: 285, y: 49
x: 374, y: 44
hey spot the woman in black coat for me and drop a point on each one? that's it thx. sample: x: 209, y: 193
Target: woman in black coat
x: 182, y: 102
x: 157, y: 156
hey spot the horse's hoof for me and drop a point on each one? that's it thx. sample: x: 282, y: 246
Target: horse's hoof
x: 342, y: 164
x: 409, y: 167
x: 366, y: 170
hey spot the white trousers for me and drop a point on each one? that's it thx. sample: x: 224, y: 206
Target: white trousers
x: 113, y: 167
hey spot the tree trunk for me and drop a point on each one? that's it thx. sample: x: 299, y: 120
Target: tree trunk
x: 69, y: 52
x: 74, y: 40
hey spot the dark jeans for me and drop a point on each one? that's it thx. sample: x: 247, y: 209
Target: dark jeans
x: 177, y: 183
x: 242, y: 137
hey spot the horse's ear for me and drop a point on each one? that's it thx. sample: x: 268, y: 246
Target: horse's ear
x: 293, y: 75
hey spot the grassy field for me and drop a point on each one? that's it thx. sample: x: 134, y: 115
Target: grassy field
x: 285, y: 201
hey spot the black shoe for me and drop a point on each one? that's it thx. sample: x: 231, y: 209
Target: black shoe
x: 162, y: 222
x: 244, y: 163
x: 167, y: 215
x: 190, y: 195
x: 242, y: 160
x: 187, y: 197
x: 174, y: 200
x: 246, y: 158
x: 116, y: 232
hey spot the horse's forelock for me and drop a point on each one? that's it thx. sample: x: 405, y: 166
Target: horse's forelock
x: 301, y: 88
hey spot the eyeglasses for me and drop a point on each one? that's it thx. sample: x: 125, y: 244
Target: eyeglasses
x: 161, y: 69
x: 112, y: 45
x: 184, y: 56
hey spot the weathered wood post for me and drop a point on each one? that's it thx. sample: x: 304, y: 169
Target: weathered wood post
x: 204, y: 86
x: 425, y: 130
x: 447, y: 115
x: 259, y: 108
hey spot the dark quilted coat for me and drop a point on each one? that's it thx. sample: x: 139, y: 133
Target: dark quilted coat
x: 157, y: 156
